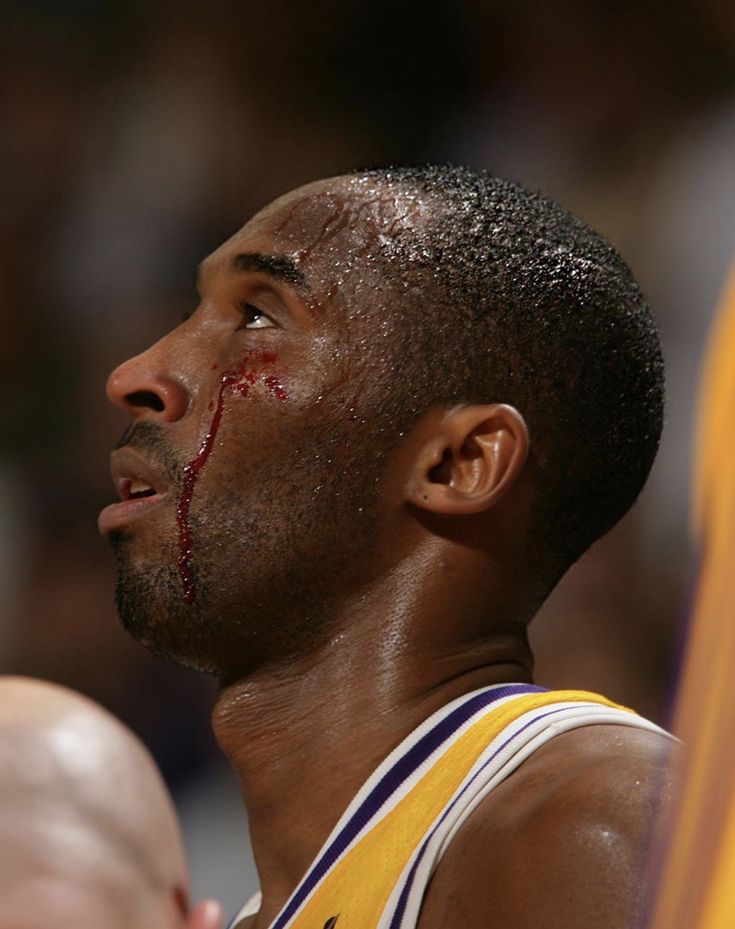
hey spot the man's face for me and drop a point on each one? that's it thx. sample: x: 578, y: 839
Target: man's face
x: 249, y: 476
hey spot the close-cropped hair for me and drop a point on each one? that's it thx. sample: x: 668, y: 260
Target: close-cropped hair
x: 508, y: 298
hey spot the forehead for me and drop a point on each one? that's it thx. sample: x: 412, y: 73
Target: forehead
x: 337, y: 231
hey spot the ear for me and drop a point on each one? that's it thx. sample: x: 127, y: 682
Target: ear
x: 470, y: 459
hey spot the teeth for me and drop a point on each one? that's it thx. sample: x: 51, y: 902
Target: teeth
x: 140, y: 489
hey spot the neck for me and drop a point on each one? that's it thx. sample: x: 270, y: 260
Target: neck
x: 332, y: 717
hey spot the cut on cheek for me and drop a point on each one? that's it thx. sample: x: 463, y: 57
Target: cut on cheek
x: 238, y: 382
x: 275, y: 386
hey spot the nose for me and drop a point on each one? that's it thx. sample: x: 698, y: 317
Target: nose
x: 145, y: 390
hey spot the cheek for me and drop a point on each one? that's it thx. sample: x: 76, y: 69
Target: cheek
x: 256, y: 369
x: 256, y: 372
x: 271, y: 414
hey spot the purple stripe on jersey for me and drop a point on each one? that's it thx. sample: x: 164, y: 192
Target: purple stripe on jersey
x: 391, y: 781
x: 403, y: 899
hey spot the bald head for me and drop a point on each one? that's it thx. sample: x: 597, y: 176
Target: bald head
x: 87, y: 829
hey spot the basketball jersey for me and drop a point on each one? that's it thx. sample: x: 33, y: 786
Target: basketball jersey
x: 373, y: 870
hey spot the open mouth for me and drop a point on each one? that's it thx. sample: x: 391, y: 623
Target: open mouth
x: 135, y: 489
x: 135, y: 477
x: 140, y: 487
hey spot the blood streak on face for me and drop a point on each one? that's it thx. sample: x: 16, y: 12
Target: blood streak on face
x: 238, y: 382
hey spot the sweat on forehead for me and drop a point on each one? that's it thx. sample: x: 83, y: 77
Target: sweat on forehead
x: 342, y: 216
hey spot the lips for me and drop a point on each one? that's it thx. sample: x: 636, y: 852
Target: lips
x: 140, y: 485
x: 137, y: 489
x: 133, y: 488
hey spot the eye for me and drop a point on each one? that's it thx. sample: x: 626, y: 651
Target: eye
x: 253, y: 317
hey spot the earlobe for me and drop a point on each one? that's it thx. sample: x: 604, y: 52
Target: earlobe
x: 472, y: 458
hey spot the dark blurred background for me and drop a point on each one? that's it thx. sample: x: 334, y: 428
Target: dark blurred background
x: 135, y: 136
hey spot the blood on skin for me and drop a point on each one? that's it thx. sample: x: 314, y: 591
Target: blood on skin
x: 238, y: 382
x: 275, y: 386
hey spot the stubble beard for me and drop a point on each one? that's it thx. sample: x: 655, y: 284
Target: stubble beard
x: 150, y: 603
x: 275, y: 548
x: 262, y: 582
x: 223, y: 622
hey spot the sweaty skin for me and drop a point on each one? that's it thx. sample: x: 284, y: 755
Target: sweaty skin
x: 339, y: 597
x: 88, y: 833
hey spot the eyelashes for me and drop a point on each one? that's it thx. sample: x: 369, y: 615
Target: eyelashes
x: 254, y: 317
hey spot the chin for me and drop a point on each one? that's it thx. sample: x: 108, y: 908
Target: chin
x: 151, y: 606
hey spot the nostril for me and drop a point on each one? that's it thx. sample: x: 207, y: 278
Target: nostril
x: 146, y: 399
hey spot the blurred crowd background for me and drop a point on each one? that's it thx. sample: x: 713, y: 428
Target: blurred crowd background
x: 134, y: 137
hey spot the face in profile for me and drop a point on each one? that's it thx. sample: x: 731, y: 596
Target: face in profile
x: 250, y: 473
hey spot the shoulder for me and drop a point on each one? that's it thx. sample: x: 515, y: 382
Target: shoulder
x: 564, y: 841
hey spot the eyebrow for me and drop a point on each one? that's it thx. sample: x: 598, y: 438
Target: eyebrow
x: 279, y: 267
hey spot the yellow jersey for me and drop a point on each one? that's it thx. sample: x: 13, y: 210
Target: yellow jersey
x: 373, y: 870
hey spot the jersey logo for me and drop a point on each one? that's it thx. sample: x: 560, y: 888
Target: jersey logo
x: 331, y: 922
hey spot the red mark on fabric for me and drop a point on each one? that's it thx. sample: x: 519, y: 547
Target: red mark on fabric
x: 240, y: 383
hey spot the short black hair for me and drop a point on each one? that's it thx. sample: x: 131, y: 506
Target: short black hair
x: 515, y: 300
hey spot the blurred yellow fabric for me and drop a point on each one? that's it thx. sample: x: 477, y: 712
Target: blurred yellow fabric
x: 698, y: 888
